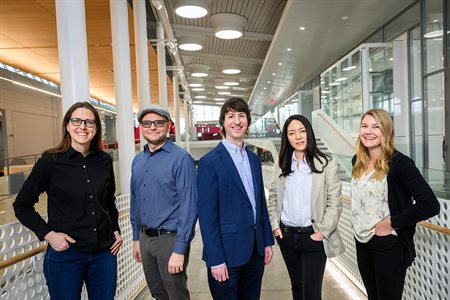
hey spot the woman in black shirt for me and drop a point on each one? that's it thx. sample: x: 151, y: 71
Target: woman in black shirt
x: 82, y: 228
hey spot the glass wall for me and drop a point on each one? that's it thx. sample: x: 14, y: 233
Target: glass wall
x: 433, y: 35
x: 361, y: 80
x: 415, y: 91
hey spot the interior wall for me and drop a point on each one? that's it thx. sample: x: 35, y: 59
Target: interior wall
x: 31, y: 119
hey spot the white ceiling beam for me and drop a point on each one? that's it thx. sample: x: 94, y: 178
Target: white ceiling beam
x: 210, y: 31
x: 255, y: 61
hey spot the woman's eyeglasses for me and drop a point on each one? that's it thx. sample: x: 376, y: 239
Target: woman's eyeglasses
x: 88, y: 122
x: 157, y: 123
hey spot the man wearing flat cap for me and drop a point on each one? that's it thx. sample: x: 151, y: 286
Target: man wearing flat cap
x: 163, y: 209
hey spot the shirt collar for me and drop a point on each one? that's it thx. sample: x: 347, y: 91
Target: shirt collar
x: 72, y: 152
x: 168, y: 145
x: 303, y: 166
x: 232, y: 148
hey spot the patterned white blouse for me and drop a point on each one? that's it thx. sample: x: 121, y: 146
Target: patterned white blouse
x: 369, y: 205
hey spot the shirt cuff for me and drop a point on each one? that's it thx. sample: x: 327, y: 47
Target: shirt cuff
x: 180, y: 248
x: 136, y: 230
x: 213, y: 267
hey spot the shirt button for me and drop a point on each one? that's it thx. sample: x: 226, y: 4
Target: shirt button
x: 88, y: 180
x: 95, y: 229
x: 84, y: 167
x: 91, y: 196
x: 93, y: 213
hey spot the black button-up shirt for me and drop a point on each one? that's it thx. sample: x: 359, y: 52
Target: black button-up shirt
x: 81, y: 200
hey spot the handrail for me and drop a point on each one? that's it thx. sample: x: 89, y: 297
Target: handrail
x: 20, y: 257
x: 336, y: 131
x: 426, y: 224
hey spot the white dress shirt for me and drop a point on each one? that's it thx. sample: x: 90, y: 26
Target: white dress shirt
x: 297, y: 195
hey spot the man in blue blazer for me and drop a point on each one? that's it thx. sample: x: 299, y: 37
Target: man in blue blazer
x: 234, y: 222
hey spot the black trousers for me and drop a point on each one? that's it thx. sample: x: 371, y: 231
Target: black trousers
x: 305, y: 261
x: 382, y: 268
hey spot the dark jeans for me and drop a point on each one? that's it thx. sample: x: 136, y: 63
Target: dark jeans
x: 65, y: 272
x: 244, y: 282
x: 305, y: 261
x: 383, y: 271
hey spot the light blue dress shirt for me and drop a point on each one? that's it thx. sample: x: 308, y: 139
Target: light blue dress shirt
x: 164, y: 193
x: 240, y: 159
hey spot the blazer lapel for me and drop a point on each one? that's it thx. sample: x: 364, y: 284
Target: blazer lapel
x: 229, y: 166
x: 253, y: 168
x: 316, y: 182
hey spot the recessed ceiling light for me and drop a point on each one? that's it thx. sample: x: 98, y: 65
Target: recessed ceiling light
x: 198, y: 89
x: 189, y: 43
x: 191, y: 8
x: 265, y: 87
x: 289, y: 49
x: 200, y: 97
x: 268, y: 81
x: 280, y: 63
x: 344, y: 18
x: 349, y: 68
x: 223, y: 93
x: 273, y: 74
x: 219, y: 99
x: 231, y: 69
x: 228, y: 26
x: 302, y: 28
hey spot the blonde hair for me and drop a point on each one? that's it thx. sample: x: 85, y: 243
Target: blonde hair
x: 386, y: 126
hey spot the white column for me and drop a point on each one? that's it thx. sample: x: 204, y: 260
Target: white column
x: 161, y: 51
x: 72, y: 52
x: 122, y: 79
x: 187, y: 146
x: 141, y: 50
x: 176, y: 102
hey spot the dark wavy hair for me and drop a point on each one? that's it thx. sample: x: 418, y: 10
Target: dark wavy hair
x: 311, y: 152
x: 64, y: 144
x: 234, y: 104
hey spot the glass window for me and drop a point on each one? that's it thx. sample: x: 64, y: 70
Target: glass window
x: 434, y: 97
x: 206, y: 113
x: 402, y: 23
x: 433, y: 34
x: 415, y: 64
x: 417, y: 133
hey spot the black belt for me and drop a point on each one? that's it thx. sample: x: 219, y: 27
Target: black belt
x: 155, y: 232
x: 307, y: 229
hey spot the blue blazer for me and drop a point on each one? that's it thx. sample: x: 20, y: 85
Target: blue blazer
x: 225, y: 212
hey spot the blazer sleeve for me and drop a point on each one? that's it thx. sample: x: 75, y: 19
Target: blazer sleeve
x: 425, y: 203
x: 333, y: 201
x: 267, y: 228
x: 208, y: 214
x: 272, y: 203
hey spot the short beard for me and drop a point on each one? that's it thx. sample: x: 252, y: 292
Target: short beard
x: 157, y: 142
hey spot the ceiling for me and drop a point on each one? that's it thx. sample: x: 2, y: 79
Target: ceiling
x: 28, y: 41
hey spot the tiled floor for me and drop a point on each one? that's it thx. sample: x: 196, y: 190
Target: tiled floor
x: 276, y: 285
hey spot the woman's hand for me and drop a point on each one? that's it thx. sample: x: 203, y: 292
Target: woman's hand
x: 59, y: 241
x: 117, y: 243
x: 317, y: 236
x: 383, y: 227
x: 277, y: 233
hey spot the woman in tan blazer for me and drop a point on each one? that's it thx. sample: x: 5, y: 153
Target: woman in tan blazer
x: 304, y: 207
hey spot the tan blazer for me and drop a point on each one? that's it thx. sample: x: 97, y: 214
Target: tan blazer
x: 326, y: 204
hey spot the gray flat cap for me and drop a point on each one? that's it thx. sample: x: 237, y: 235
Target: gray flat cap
x: 157, y: 109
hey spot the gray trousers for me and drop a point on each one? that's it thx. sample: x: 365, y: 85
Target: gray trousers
x: 155, y: 253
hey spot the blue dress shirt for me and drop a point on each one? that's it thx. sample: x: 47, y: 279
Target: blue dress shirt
x: 164, y: 193
x: 240, y: 159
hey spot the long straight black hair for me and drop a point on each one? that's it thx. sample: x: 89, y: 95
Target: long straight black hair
x: 311, y: 152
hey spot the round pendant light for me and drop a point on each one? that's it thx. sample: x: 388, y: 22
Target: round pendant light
x: 228, y: 26
x: 191, y: 9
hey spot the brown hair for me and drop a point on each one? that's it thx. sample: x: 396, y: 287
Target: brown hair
x: 64, y: 144
x: 237, y: 105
